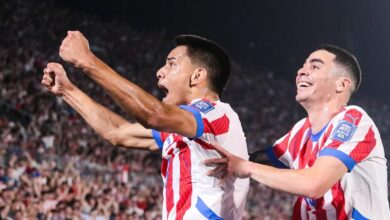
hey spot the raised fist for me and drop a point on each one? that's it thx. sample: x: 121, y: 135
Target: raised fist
x: 55, y: 79
x: 75, y: 49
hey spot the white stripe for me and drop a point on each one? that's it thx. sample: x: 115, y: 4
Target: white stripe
x: 303, y: 210
x: 175, y: 184
x: 331, y: 212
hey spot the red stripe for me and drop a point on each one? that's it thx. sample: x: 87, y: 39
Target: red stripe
x: 169, y: 189
x: 326, y: 136
x: 353, y: 116
x: 314, y: 155
x: 185, y: 187
x: 295, y: 143
x: 164, y: 166
x: 364, y: 148
x: 281, y: 148
x: 204, y: 144
x: 218, y: 126
x: 297, y: 209
x: 320, y: 212
x: 163, y: 136
x: 338, y: 201
x: 305, y: 153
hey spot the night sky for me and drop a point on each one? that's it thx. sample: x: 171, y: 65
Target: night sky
x: 275, y: 35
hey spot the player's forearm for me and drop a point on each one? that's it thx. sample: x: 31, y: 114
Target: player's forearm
x: 291, y: 181
x: 132, y: 99
x: 97, y: 116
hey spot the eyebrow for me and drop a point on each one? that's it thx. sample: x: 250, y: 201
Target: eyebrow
x: 316, y: 60
x: 171, y: 58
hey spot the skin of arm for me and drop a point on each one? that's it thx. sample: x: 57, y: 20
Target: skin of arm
x: 148, y: 110
x: 106, y: 123
x: 311, y: 182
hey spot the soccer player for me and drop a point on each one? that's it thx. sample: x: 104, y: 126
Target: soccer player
x: 184, y: 126
x: 335, y: 156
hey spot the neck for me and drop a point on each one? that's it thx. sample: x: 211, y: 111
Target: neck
x: 320, y: 115
x: 204, y: 94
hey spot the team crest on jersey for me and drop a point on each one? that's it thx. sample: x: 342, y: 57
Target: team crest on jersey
x: 203, y: 106
x: 344, y: 131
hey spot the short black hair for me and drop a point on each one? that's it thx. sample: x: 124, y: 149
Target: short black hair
x: 210, y: 54
x: 347, y: 60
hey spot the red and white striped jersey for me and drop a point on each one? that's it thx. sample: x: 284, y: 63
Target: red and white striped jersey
x: 352, y: 137
x: 188, y: 192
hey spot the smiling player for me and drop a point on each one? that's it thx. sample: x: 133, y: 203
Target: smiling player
x: 335, y: 156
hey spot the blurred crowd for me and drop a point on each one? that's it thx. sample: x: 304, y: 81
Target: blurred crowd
x: 53, y: 166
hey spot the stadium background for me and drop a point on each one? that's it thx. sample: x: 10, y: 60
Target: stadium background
x: 53, y: 166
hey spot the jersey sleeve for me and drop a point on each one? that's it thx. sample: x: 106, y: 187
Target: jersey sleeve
x: 159, y: 138
x: 210, y: 120
x: 285, y: 149
x: 273, y: 159
x: 198, y: 119
x: 352, y: 138
x: 277, y: 153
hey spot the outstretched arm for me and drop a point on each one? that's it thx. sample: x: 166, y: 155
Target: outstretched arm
x: 106, y: 123
x: 312, y: 182
x: 149, y: 111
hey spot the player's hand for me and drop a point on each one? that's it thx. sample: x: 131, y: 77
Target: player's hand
x: 229, y: 164
x: 55, y: 79
x: 75, y: 49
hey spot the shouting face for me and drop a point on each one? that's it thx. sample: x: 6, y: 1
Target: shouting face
x: 174, y: 76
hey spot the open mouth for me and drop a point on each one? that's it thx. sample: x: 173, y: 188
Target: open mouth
x: 164, y: 89
x: 303, y: 84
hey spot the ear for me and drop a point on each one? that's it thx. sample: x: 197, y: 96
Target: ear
x: 198, y: 76
x: 343, y: 84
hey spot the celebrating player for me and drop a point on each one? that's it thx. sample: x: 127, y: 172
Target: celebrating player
x: 189, y: 120
x: 335, y: 155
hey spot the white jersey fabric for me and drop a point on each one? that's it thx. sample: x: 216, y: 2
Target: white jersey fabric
x: 188, y: 192
x: 352, y: 137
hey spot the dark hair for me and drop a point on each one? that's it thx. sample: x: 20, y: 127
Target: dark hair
x: 210, y: 54
x: 347, y: 60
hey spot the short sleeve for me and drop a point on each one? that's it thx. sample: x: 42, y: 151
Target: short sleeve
x: 273, y: 159
x: 198, y: 119
x: 158, y: 138
x: 352, y: 138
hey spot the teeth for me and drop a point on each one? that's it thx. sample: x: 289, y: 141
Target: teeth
x: 303, y: 84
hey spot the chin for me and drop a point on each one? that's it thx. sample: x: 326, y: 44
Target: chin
x: 300, y: 98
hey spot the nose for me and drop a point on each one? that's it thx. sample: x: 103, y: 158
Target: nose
x: 160, y: 73
x: 302, y: 71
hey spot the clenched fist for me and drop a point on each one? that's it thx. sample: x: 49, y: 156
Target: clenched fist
x: 55, y: 79
x: 75, y: 49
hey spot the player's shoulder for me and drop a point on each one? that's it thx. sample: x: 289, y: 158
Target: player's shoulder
x: 301, y: 123
x: 352, y: 114
x: 203, y: 105
x: 352, y: 110
x: 355, y: 108
x: 208, y: 107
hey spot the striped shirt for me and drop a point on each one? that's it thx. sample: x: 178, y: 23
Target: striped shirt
x: 188, y: 192
x: 352, y: 137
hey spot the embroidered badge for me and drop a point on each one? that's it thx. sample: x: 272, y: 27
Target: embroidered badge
x: 344, y: 131
x: 203, y: 106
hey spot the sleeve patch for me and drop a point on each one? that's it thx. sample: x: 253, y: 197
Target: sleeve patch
x: 344, y: 131
x: 203, y: 106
